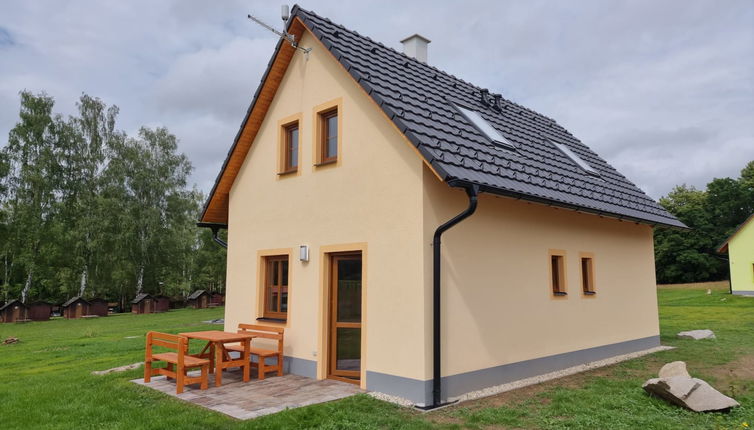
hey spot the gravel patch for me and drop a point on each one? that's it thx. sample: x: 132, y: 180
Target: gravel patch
x: 392, y: 399
x: 497, y: 389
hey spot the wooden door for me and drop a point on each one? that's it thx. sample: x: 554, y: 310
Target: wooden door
x: 79, y: 310
x: 345, y: 317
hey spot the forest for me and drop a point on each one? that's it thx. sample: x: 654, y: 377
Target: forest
x: 86, y: 210
x: 713, y: 214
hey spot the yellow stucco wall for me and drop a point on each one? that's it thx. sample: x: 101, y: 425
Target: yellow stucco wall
x: 741, y: 257
x: 497, y: 304
x: 371, y: 198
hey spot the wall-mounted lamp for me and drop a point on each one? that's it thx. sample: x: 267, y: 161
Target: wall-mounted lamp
x: 303, y: 253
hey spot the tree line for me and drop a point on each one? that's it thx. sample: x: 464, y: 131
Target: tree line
x: 86, y: 210
x: 713, y: 215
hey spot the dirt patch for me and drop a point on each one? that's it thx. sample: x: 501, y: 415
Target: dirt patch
x: 715, y: 285
x: 735, y: 377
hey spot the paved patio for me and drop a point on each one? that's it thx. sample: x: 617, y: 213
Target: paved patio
x: 256, y: 398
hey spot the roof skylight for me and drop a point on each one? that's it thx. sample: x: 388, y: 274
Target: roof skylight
x: 484, y: 127
x: 576, y: 159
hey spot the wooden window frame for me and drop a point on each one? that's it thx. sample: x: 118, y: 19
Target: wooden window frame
x: 267, y: 261
x: 557, y: 288
x: 284, y: 127
x: 321, y: 114
x: 588, y: 287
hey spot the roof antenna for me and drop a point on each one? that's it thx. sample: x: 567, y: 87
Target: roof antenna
x: 285, y: 15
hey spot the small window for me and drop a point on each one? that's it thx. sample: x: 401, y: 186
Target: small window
x: 587, y: 275
x: 557, y: 274
x: 290, y: 148
x: 484, y: 127
x: 276, y: 287
x: 576, y: 159
x: 329, y: 136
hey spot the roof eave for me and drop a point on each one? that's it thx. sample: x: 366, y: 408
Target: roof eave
x: 245, y: 121
x: 553, y: 203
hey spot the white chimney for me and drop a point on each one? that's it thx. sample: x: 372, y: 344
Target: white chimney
x: 416, y: 46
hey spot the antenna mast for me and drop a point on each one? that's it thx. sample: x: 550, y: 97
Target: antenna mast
x: 283, y: 34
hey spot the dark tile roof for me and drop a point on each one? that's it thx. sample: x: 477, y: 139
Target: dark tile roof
x: 419, y: 99
x: 12, y: 302
x: 196, y: 294
x: 140, y: 297
x: 73, y: 300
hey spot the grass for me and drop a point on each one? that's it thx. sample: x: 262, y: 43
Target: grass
x: 45, y: 380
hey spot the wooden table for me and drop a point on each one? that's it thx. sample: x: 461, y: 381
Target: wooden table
x: 216, y: 353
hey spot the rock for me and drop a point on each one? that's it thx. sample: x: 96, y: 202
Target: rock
x: 691, y: 393
x: 697, y: 334
x: 118, y: 369
x: 10, y: 340
x: 705, y: 399
x: 674, y: 389
x: 676, y: 368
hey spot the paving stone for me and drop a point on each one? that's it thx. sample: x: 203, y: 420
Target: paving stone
x: 247, y: 400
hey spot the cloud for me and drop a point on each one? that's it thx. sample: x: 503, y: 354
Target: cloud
x: 219, y: 80
x: 663, y: 90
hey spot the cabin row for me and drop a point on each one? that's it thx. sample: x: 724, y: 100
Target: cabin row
x: 77, y: 307
x: 146, y: 303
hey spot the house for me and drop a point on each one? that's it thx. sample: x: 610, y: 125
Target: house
x: 143, y: 303
x: 40, y: 311
x: 75, y: 307
x: 13, y: 311
x: 161, y: 303
x: 740, y: 249
x: 98, y: 307
x: 199, y: 299
x: 352, y: 164
x: 217, y: 299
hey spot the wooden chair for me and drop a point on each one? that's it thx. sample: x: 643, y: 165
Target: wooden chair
x: 178, y: 362
x: 263, y: 332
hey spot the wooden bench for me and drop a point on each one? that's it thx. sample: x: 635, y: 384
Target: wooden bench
x: 178, y: 362
x: 264, y: 332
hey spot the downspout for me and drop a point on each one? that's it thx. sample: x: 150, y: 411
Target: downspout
x: 215, y: 230
x: 472, y: 191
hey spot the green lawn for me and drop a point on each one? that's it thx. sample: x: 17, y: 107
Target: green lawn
x: 45, y: 380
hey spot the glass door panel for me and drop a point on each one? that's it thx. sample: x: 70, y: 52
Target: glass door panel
x: 345, y: 317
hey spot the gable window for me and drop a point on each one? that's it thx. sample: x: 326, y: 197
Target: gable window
x: 587, y: 274
x: 484, y: 127
x: 290, y: 149
x: 329, y: 136
x: 557, y: 273
x: 289, y: 145
x: 276, y: 287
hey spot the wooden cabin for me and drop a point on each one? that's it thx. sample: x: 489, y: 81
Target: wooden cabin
x: 199, y: 299
x: 161, y: 303
x: 143, y: 304
x: 39, y: 311
x: 217, y: 299
x: 98, y: 307
x: 75, y: 307
x: 13, y: 311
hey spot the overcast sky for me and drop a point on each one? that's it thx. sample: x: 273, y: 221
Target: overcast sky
x: 664, y: 90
